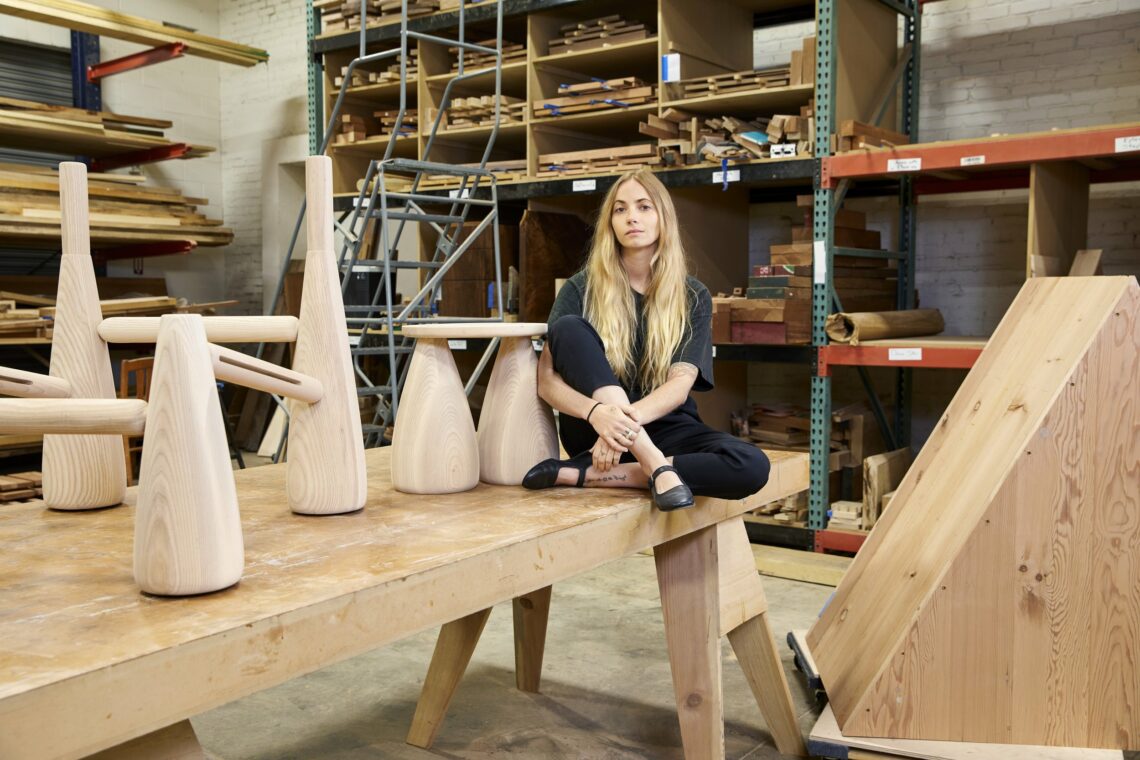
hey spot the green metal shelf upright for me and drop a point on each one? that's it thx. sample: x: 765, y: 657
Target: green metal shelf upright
x: 826, y: 201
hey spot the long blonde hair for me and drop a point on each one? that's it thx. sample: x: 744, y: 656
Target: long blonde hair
x: 609, y: 300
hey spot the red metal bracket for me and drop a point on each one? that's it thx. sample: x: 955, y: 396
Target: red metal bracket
x: 134, y: 158
x: 838, y: 541
x: 930, y: 357
x: 825, y: 173
x: 144, y: 250
x: 97, y: 71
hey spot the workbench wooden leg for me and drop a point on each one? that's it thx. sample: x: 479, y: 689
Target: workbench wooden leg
x: 176, y: 742
x: 531, y: 613
x: 756, y: 651
x: 453, y: 649
x: 688, y: 582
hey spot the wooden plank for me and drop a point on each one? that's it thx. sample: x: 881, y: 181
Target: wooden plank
x: 1058, y: 213
x: 799, y: 565
x: 881, y: 473
x: 1087, y: 263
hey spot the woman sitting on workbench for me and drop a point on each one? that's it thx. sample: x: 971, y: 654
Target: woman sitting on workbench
x: 629, y: 337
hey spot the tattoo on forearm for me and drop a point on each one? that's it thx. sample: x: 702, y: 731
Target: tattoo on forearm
x: 682, y: 369
x: 607, y: 478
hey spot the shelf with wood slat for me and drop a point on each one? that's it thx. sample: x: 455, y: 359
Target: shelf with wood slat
x: 626, y: 57
x: 1112, y: 151
x: 933, y: 352
x: 764, y: 101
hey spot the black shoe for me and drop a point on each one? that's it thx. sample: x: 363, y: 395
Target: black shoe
x: 545, y: 473
x: 676, y: 497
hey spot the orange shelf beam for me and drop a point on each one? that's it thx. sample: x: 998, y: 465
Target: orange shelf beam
x: 926, y: 357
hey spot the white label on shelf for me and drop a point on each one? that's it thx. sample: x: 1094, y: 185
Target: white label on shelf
x: 904, y: 164
x: 457, y: 344
x: 783, y: 150
x: 904, y: 354
x: 719, y: 177
x: 972, y: 161
x: 536, y: 343
x: 1127, y: 144
x: 455, y: 193
x: 819, y: 268
x: 585, y: 185
x: 671, y: 67
x: 354, y: 340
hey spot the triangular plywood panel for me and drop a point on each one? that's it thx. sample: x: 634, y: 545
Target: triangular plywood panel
x: 998, y: 599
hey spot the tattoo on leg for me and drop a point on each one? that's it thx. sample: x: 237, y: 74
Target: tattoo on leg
x: 607, y: 478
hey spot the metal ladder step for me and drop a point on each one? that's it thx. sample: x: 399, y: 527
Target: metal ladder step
x: 420, y: 198
x: 372, y: 265
x: 417, y: 216
x: 378, y: 350
x: 431, y: 167
x: 374, y: 390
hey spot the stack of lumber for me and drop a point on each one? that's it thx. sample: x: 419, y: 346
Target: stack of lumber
x: 479, y: 111
x: 778, y: 306
x: 512, y: 51
x: 597, y: 33
x: 83, y: 17
x: 790, y: 509
x: 855, y: 135
x: 344, y: 15
x: 389, y: 73
x: 609, y: 160
x: 21, y: 486
x: 19, y: 322
x: 504, y: 171
x: 621, y: 92
x: 685, y: 138
x: 846, y: 515
x: 781, y: 425
x: 28, y: 125
x: 736, y: 81
x: 122, y: 210
x: 452, y: 5
x: 801, y: 70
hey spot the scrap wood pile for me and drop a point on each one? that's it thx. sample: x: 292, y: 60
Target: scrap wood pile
x: 596, y: 95
x: 776, y: 307
x: 386, y: 73
x: 344, y: 15
x: 685, y: 138
x: 25, y: 124
x: 24, y: 315
x: 855, y: 135
x: 353, y: 128
x: 474, y: 60
x: 121, y: 209
x: 21, y: 486
x: 596, y: 33
x: 479, y: 111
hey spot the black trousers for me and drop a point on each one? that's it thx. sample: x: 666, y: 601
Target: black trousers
x: 712, y: 463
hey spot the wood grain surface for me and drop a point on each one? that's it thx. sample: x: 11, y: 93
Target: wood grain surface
x: 80, y: 471
x: 326, y: 446
x: 998, y: 599
x: 314, y: 592
x: 516, y: 427
x: 187, y: 528
x: 434, y: 448
x: 276, y: 329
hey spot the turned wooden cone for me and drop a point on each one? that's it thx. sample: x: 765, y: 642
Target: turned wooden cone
x: 80, y: 471
x: 326, y: 473
x: 516, y: 427
x: 433, y: 447
x: 187, y: 527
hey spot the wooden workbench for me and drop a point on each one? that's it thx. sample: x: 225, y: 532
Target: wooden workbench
x: 87, y: 662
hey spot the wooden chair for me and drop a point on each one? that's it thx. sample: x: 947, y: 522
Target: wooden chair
x: 134, y: 382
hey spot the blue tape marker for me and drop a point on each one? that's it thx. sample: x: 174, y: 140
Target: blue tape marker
x: 724, y: 174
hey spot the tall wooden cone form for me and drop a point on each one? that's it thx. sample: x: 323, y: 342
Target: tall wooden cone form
x: 326, y: 473
x: 187, y: 527
x: 516, y: 427
x: 80, y: 471
x: 998, y: 598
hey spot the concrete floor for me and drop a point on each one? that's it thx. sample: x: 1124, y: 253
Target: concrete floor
x: 606, y: 690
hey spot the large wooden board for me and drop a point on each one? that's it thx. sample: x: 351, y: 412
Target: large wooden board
x: 998, y: 599
x: 87, y: 662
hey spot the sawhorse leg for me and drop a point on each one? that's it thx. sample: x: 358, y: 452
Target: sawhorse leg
x: 710, y: 588
x: 453, y: 651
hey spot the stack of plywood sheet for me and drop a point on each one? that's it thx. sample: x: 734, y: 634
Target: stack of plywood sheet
x: 596, y: 33
x: 620, y: 92
x: 28, y: 125
x: 472, y: 61
x: 122, y: 210
x: 609, y: 160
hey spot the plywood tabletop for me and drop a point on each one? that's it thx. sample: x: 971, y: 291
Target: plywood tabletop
x: 315, y: 590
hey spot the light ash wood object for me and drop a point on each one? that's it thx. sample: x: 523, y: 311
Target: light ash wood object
x: 32, y: 416
x: 17, y: 382
x: 188, y: 536
x: 998, y: 599
x: 80, y: 471
x: 218, y: 329
x: 326, y: 472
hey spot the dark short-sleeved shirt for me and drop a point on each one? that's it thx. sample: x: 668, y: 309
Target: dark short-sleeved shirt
x: 696, y: 344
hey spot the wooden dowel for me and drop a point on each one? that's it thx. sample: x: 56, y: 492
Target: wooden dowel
x: 17, y: 382
x: 31, y: 416
x: 236, y: 367
x: 218, y: 329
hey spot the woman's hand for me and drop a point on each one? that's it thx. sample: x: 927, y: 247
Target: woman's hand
x: 617, y: 425
x: 605, y: 456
